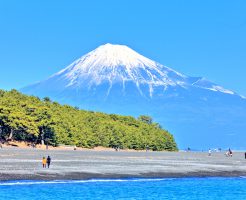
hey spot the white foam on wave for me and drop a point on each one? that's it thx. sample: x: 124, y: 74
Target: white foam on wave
x: 80, y: 181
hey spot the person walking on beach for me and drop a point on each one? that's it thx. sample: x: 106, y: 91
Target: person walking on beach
x: 48, y: 161
x: 209, y: 152
x: 44, y: 161
x: 230, y: 152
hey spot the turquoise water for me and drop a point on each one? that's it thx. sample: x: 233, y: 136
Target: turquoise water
x: 179, y: 188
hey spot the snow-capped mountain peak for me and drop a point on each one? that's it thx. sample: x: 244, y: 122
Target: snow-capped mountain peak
x: 110, y: 55
x: 111, y: 65
x: 118, y: 63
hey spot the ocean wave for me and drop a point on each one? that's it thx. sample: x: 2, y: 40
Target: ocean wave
x: 81, y: 181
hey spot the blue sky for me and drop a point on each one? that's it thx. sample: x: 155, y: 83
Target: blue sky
x: 198, y: 38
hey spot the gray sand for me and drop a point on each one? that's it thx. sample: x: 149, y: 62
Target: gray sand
x: 17, y: 163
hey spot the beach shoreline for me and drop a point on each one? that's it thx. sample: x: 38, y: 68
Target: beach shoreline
x: 88, y: 176
x: 23, y: 145
x: 25, y: 164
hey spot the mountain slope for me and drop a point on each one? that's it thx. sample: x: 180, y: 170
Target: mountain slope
x: 116, y: 79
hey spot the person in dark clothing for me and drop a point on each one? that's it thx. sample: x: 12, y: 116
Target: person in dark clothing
x: 48, y: 161
x: 230, y: 152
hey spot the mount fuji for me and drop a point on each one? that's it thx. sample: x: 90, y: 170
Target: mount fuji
x: 116, y: 79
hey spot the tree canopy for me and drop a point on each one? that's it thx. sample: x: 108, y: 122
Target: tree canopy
x: 27, y: 118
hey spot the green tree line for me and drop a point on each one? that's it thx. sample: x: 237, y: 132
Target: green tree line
x: 30, y: 119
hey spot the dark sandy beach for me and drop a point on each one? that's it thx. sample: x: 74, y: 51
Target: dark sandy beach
x: 25, y: 164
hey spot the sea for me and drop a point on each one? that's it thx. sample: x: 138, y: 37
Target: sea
x: 133, y: 189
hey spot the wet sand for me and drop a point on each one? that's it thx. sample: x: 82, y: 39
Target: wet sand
x: 25, y: 164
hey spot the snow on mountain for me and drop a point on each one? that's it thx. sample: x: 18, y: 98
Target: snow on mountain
x: 120, y: 64
x: 206, y: 84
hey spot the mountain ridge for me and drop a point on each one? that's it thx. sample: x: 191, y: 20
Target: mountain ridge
x: 115, y: 63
